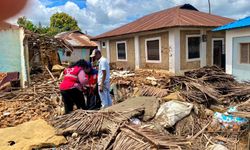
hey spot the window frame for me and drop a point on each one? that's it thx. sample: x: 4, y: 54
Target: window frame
x: 239, y: 52
x: 146, y: 50
x: 102, y: 44
x: 126, y: 51
x: 193, y: 59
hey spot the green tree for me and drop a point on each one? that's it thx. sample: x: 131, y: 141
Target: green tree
x: 63, y: 22
x: 59, y: 22
x: 25, y: 23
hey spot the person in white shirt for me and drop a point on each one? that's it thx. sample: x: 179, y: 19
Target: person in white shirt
x: 103, y: 78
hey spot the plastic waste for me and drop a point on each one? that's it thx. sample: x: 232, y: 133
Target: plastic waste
x: 135, y: 121
x: 171, y: 112
x: 229, y: 121
x: 217, y: 147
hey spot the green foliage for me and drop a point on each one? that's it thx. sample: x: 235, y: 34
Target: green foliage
x: 25, y: 23
x: 63, y: 22
x: 59, y: 22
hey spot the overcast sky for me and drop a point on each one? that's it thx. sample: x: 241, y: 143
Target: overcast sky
x: 98, y: 16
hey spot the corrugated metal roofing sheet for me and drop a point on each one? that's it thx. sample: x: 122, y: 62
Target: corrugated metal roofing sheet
x: 76, y: 39
x: 245, y: 22
x: 180, y: 16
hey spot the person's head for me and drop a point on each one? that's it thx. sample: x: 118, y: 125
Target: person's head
x: 80, y: 63
x: 96, y: 54
x: 88, y: 68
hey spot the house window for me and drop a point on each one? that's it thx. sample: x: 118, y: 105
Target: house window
x: 121, y: 50
x: 68, y: 53
x: 193, y: 47
x: 153, y: 49
x: 245, y: 53
x: 103, y: 44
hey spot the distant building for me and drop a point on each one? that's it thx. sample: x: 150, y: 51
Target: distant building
x: 237, y: 48
x: 175, y: 39
x: 79, y: 42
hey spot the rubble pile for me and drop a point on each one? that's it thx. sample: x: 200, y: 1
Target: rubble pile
x: 43, y: 51
x: 210, y: 85
x: 139, y: 83
x: 40, y: 100
x: 204, y: 109
x: 112, y: 130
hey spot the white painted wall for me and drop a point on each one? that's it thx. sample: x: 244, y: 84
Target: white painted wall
x: 76, y: 55
x: 174, y: 50
x: 137, y: 52
x: 98, y: 45
x: 108, y: 50
x: 230, y: 34
x: 23, y: 73
x: 203, y: 52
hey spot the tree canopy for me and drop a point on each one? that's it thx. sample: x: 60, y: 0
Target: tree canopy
x: 63, y: 22
x: 59, y: 22
x: 27, y: 24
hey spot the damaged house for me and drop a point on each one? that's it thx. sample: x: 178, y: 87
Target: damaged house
x: 80, y: 44
x: 24, y: 52
x: 175, y: 39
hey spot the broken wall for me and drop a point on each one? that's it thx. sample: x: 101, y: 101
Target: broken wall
x: 12, y: 58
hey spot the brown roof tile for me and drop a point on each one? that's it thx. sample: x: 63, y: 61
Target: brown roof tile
x: 180, y: 16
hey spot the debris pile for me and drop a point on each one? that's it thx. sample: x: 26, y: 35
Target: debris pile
x: 40, y: 100
x: 139, y: 83
x: 112, y: 130
x: 195, y: 119
x: 43, y: 51
x: 210, y: 85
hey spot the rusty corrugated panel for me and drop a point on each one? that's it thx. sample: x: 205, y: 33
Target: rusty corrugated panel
x: 76, y: 39
x: 174, y: 17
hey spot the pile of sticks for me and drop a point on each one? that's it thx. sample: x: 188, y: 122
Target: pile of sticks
x: 210, y: 85
x: 153, y: 91
x: 111, y: 130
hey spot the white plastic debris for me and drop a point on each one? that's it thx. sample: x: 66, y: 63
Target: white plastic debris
x: 216, y: 147
x: 135, y: 121
x: 172, y: 111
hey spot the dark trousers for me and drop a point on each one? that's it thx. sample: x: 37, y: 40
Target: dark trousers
x: 93, y: 99
x: 71, y: 97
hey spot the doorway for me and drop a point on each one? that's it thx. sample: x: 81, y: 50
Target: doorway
x: 218, y: 50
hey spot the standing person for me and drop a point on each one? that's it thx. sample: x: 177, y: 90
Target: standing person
x: 94, y: 62
x: 93, y: 98
x: 103, y: 78
x: 72, y: 86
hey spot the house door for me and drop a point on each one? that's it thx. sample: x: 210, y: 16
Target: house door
x: 218, y: 52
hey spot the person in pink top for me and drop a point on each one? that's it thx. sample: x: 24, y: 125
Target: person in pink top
x: 72, y: 86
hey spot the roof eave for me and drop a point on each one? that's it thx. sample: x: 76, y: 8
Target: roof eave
x: 181, y: 26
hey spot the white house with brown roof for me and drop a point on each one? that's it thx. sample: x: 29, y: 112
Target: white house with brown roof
x: 175, y: 39
x: 79, y: 43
